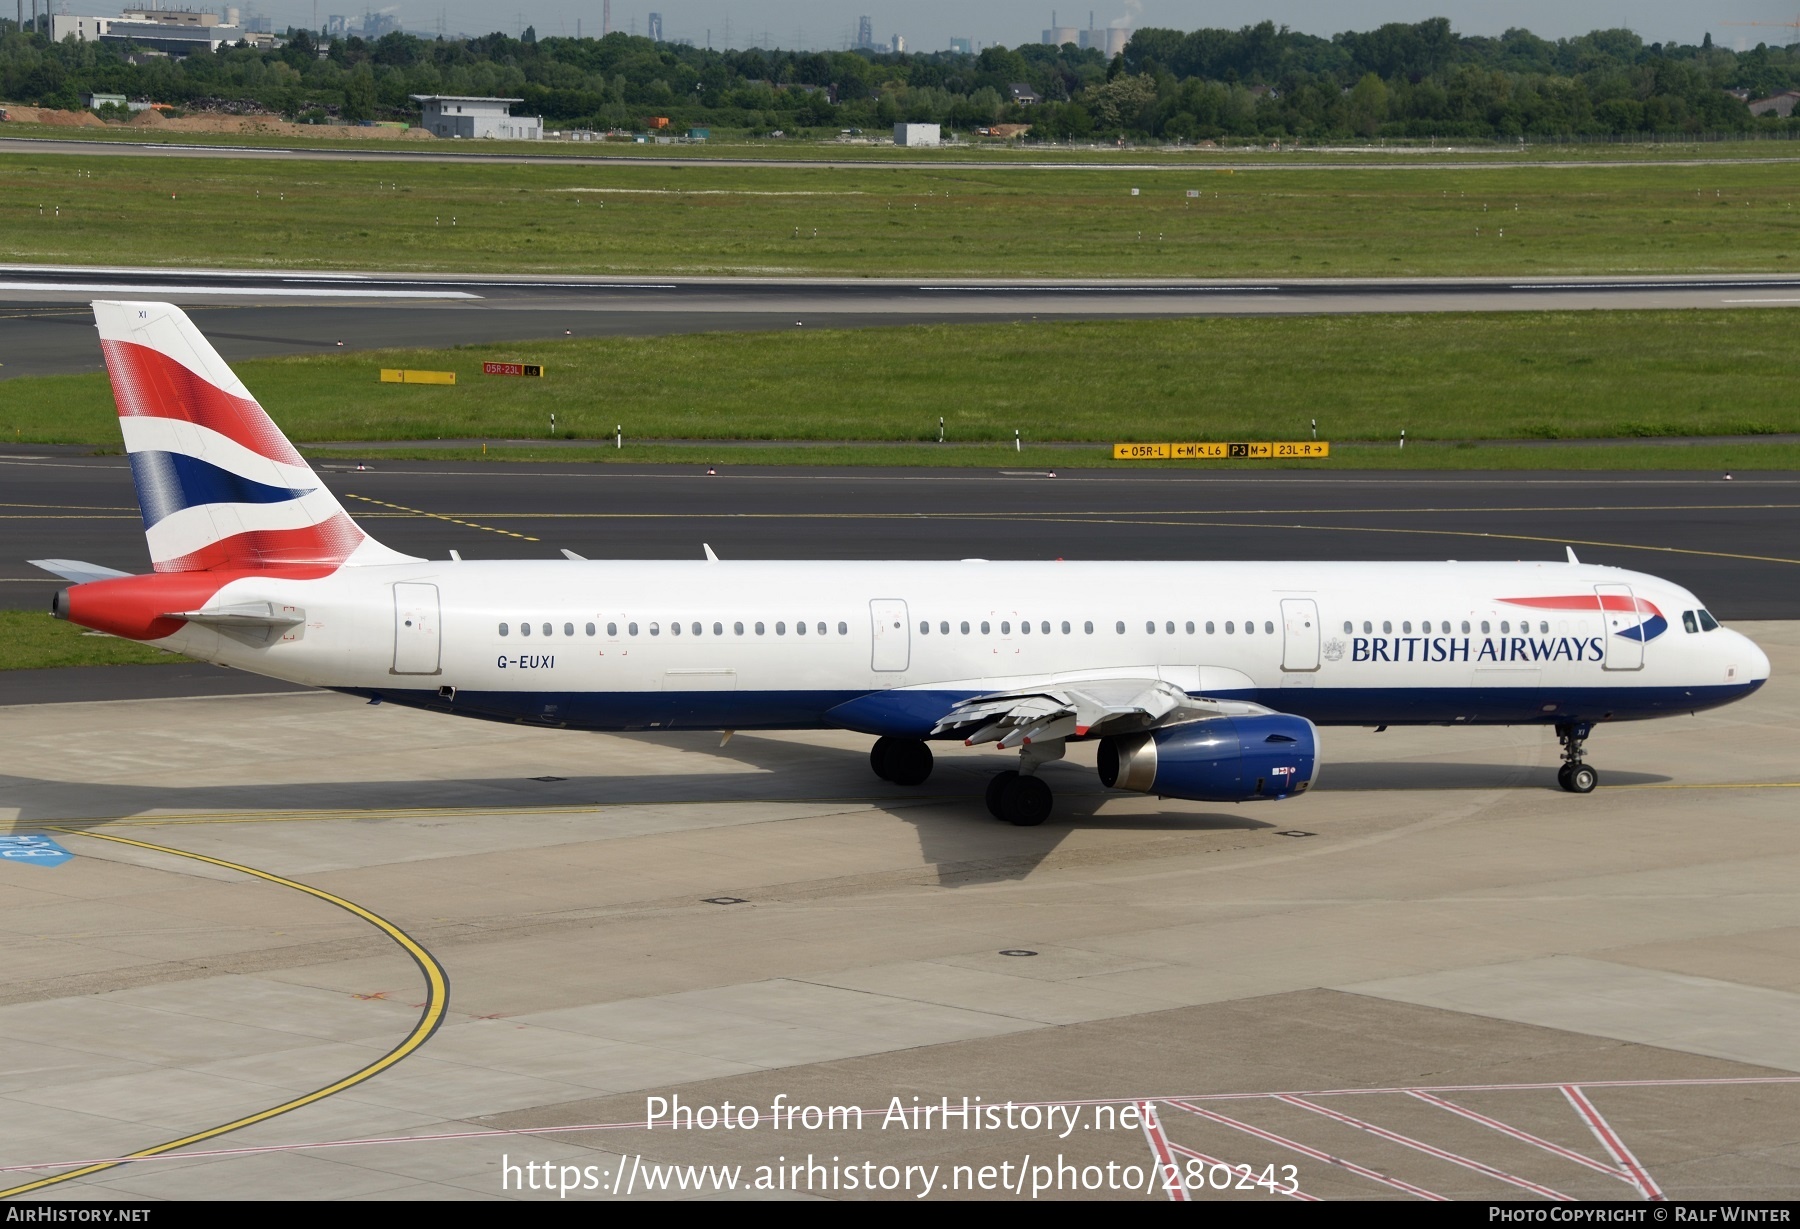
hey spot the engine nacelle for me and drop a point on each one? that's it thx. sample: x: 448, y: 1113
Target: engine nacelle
x: 1224, y: 759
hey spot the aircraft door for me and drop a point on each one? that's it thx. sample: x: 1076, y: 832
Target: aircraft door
x: 893, y: 638
x: 1300, y: 634
x: 416, y: 644
x: 1621, y: 627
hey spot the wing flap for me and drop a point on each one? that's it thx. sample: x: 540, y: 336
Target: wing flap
x: 1090, y: 708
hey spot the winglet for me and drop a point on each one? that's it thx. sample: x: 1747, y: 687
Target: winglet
x: 710, y: 557
x: 1572, y: 558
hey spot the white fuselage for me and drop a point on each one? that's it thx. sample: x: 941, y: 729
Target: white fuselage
x: 887, y: 646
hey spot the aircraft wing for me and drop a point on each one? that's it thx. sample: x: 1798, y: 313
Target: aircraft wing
x: 1089, y: 708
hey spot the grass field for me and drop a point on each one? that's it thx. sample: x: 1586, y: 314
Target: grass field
x: 32, y: 640
x: 862, y: 221
x: 1443, y: 377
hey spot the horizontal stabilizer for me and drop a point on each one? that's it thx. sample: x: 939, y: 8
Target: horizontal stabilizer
x: 75, y: 570
x: 251, y: 614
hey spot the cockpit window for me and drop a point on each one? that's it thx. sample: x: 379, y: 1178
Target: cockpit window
x: 1707, y: 622
x: 1689, y: 623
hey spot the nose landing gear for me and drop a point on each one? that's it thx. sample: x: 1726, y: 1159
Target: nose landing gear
x: 1575, y: 776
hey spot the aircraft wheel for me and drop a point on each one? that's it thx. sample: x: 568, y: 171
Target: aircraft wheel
x: 1026, y: 802
x: 1581, y: 780
x: 878, y: 756
x: 1562, y: 776
x: 908, y: 762
x: 996, y: 792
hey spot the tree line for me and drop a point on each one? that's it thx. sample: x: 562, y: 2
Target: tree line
x: 1260, y: 82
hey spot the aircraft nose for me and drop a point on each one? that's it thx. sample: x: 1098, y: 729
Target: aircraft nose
x: 1752, y: 663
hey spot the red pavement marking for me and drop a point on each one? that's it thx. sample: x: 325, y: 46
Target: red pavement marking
x: 1640, y: 1177
x: 1159, y: 1148
x: 1406, y: 1141
x: 1303, y: 1150
x: 1522, y: 1136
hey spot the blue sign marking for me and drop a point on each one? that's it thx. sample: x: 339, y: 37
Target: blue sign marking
x: 33, y: 850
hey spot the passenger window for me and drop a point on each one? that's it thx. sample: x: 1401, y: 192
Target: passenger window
x: 780, y: 628
x: 1387, y: 627
x: 1505, y: 627
x: 843, y: 629
x: 759, y: 628
x: 695, y: 628
x: 1006, y: 627
x: 1209, y: 627
x: 1190, y: 627
x: 612, y: 630
x: 965, y: 627
x: 1690, y: 620
x: 799, y: 627
x: 1465, y: 626
x: 631, y: 629
x: 1268, y: 627
x: 547, y: 630
x: 1368, y: 627
x: 655, y: 629
x: 568, y: 629
x: 944, y: 627
x: 1169, y: 627
x: 821, y: 629
x: 924, y: 627
x: 1406, y: 628
x: 675, y: 628
x: 737, y: 629
x: 1707, y: 622
x: 1150, y: 627
x: 1044, y: 627
x: 1484, y: 627
x: 524, y: 629
x: 718, y: 629
x: 1249, y: 627
x: 1025, y: 627
x: 1066, y: 628
x: 1349, y: 628
x: 1121, y: 626
x: 1088, y: 627
x: 1230, y: 628
x: 1688, y: 623
x: 590, y: 629
x: 1444, y: 627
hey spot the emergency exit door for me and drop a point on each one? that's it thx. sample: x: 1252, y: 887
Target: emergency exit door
x: 893, y: 639
x: 1299, y: 634
x: 416, y: 644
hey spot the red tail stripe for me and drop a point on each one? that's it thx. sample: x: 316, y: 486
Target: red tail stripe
x: 1586, y: 601
x: 328, y: 543
x: 147, y: 383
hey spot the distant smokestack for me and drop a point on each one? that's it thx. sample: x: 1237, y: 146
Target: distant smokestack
x: 605, y: 18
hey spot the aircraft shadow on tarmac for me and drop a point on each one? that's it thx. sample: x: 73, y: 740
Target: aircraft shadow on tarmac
x: 957, y: 838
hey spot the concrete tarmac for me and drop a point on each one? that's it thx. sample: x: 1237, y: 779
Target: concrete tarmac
x: 1436, y: 975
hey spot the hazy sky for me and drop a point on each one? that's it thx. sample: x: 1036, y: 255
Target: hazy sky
x: 930, y: 24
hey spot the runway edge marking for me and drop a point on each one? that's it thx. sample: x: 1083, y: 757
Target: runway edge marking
x: 437, y: 1002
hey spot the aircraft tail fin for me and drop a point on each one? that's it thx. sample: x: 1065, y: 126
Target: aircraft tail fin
x: 219, y: 485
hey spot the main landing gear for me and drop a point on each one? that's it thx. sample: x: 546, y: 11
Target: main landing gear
x: 1019, y: 796
x: 1575, y: 776
x: 904, y: 761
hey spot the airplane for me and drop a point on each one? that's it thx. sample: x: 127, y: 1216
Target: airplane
x: 1203, y: 681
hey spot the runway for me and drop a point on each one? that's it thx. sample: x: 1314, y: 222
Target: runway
x: 296, y: 946
x: 1724, y: 540
x: 44, y: 327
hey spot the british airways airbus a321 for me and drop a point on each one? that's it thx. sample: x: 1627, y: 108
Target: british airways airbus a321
x: 1202, y: 681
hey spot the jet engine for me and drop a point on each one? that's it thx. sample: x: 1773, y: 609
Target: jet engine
x: 1221, y: 759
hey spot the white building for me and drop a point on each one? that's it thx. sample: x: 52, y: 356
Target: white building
x: 83, y: 29
x: 173, y: 30
x: 918, y: 134
x: 450, y: 117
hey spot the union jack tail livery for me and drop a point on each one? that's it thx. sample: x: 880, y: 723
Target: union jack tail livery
x: 220, y: 487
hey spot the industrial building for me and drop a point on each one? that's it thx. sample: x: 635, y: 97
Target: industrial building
x: 449, y: 116
x: 176, y: 31
x: 918, y: 134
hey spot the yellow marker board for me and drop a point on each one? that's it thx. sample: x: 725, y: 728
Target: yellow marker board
x: 401, y: 375
x: 1309, y: 449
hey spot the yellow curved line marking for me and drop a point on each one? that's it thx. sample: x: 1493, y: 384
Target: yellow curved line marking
x: 437, y: 1000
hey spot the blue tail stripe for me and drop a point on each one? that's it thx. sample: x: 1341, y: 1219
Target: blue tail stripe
x: 168, y: 482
